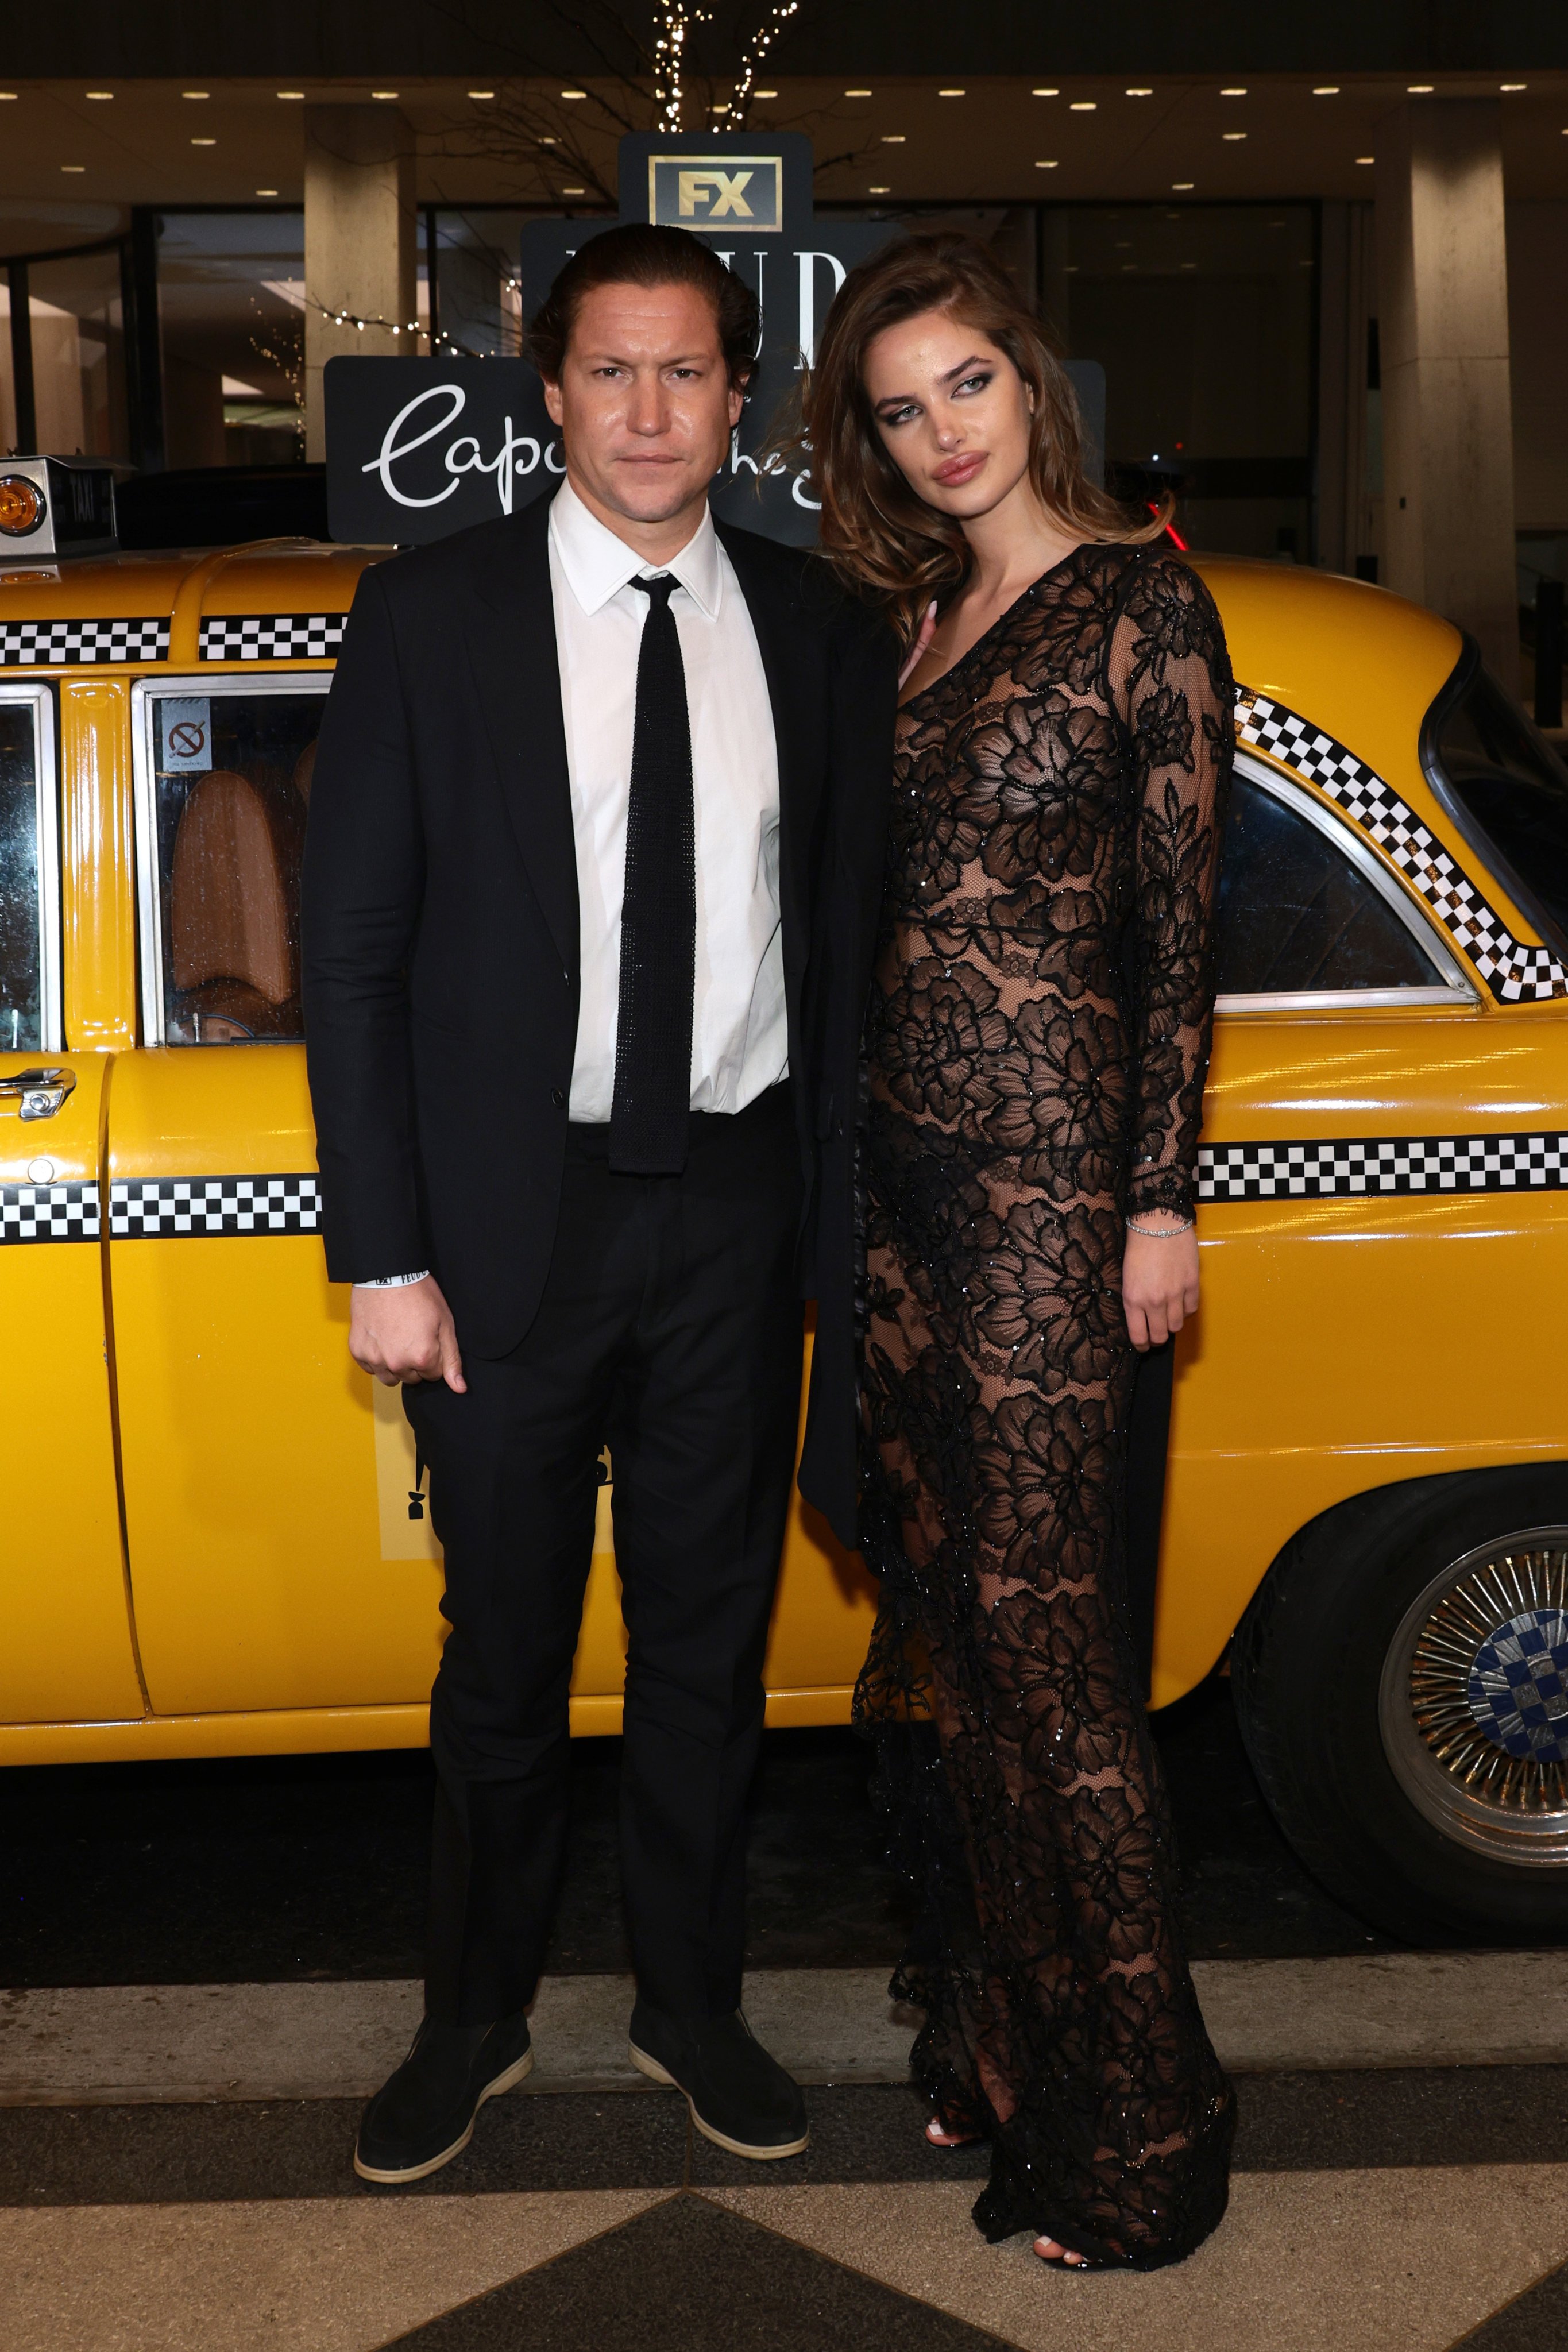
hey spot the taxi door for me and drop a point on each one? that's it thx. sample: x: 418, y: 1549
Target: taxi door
x: 64, y: 1634
x: 1352, y: 1234
x: 281, y: 1549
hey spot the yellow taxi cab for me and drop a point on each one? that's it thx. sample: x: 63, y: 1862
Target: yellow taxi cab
x: 215, y: 1540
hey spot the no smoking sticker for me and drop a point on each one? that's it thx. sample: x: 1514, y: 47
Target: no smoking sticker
x: 187, y: 734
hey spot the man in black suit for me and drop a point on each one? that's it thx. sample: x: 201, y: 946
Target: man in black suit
x: 590, y: 885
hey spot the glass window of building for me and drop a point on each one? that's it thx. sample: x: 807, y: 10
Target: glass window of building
x: 75, y: 311
x: 476, y: 300
x: 231, y: 308
x: 1202, y: 317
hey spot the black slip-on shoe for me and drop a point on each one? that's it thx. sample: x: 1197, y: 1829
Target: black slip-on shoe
x: 738, y: 2096
x: 423, y: 2115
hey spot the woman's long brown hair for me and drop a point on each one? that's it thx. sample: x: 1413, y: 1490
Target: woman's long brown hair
x: 874, y: 528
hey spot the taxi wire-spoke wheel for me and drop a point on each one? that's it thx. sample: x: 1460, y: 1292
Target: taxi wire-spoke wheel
x: 1401, y: 1679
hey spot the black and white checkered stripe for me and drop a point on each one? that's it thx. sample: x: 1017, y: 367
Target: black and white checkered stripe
x: 172, y: 1208
x: 1514, y: 970
x: 1383, y: 1163
x: 28, y: 645
x: 272, y: 637
x: 48, y: 1212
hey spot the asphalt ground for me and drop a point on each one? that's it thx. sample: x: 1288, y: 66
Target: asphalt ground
x: 290, y: 1868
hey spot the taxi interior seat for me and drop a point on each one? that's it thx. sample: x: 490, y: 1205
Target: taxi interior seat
x: 234, y: 908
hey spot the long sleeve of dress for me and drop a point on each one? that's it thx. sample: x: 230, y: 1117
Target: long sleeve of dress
x: 1171, y: 685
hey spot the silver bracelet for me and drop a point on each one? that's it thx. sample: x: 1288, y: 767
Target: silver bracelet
x: 1161, y: 1233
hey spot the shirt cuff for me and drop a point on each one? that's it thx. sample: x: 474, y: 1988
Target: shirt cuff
x: 392, y: 1281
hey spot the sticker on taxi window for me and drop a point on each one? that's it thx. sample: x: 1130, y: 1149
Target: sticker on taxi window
x: 187, y: 727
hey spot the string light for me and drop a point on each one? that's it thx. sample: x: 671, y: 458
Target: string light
x: 400, y: 327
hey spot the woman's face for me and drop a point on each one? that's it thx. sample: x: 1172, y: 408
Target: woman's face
x: 953, y: 410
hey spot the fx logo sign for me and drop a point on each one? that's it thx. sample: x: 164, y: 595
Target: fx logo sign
x: 716, y: 191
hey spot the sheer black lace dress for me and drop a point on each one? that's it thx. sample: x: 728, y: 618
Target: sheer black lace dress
x: 1037, y: 1043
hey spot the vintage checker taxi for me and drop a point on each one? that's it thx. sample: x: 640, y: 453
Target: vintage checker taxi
x: 216, y: 1543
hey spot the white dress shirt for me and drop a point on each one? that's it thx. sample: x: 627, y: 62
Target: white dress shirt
x: 739, y: 1043
x: 739, y: 1040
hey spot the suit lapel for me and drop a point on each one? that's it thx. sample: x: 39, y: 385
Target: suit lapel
x: 777, y: 622
x: 511, y: 647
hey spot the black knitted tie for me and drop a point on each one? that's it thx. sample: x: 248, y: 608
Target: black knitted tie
x: 648, y: 1116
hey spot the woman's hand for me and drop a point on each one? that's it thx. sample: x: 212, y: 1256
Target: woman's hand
x: 917, y: 652
x: 1159, y: 1277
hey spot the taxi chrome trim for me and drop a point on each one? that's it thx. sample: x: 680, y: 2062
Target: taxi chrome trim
x: 144, y: 793
x: 1452, y: 984
x: 47, y: 804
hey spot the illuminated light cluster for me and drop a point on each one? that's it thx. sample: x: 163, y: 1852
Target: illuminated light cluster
x: 393, y: 326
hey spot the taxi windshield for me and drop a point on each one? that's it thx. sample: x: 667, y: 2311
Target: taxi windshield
x: 1509, y: 789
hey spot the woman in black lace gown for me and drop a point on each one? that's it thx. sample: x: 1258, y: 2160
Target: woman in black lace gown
x: 1037, y: 1040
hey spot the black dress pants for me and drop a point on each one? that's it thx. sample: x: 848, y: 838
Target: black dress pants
x: 669, y: 1328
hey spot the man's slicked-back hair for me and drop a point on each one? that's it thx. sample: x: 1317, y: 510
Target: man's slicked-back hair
x: 641, y: 255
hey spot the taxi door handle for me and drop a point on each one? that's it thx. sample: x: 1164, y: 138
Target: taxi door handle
x: 41, y: 1091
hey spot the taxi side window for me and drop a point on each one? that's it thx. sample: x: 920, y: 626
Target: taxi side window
x: 231, y: 787
x: 26, y: 873
x: 1296, y: 916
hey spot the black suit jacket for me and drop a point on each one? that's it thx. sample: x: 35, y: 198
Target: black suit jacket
x: 441, y: 928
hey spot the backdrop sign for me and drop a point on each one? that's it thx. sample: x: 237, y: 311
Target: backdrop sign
x: 417, y: 448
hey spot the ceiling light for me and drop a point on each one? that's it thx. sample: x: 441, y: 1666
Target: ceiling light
x: 73, y: 167
x: 384, y: 93
x: 550, y: 142
x: 765, y: 93
x: 1082, y: 105
x: 1140, y: 93
x: 573, y: 192
x: 481, y: 93
x: 574, y: 93
x: 1233, y: 135
x: 4, y: 94
x: 195, y: 93
x: 204, y: 143
x: 1181, y: 186
x: 879, y: 192
x: 1233, y: 93
x: 267, y: 192
x: 857, y: 93
x: 1367, y: 159
x: 1417, y: 89
x: 950, y: 94
x: 1326, y: 90
x: 1513, y: 85
x: 1045, y: 93
x: 290, y: 93
x: 894, y: 138
x: 97, y: 93
x: 1044, y: 163
x: 721, y: 106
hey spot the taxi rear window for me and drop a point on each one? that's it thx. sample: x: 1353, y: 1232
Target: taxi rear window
x: 26, y: 873
x: 228, y: 771
x: 1509, y: 792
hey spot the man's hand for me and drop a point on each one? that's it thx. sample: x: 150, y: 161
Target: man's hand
x: 1159, y: 1279
x: 406, y: 1335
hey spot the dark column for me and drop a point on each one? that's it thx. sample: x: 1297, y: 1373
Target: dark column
x: 143, y: 347
x: 1549, y: 653
x: 21, y: 363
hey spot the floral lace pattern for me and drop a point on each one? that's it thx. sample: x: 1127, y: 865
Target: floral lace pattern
x: 1037, y: 1043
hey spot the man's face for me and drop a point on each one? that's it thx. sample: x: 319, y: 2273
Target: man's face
x: 644, y: 404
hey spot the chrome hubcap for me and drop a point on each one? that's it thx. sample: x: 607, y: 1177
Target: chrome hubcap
x: 1474, y: 1700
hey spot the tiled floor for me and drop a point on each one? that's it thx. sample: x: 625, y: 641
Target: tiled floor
x: 1405, y: 2210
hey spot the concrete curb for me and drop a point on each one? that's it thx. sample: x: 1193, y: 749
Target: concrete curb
x: 135, y: 2044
